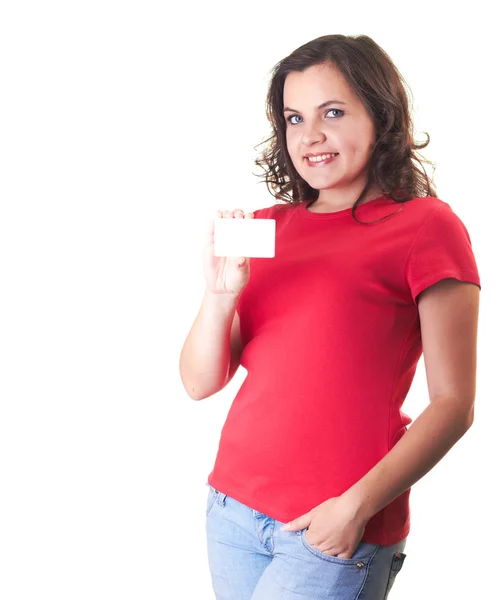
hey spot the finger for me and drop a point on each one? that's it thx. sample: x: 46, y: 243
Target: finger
x: 297, y: 524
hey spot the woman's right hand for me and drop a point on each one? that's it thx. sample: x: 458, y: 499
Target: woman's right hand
x: 225, y: 274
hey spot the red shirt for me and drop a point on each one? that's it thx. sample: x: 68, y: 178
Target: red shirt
x: 331, y: 335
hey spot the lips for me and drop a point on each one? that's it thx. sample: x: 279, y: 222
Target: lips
x: 322, y: 162
x: 320, y: 153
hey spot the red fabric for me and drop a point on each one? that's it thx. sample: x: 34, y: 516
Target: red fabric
x: 331, y: 336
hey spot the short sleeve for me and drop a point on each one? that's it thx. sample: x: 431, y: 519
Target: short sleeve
x: 442, y: 250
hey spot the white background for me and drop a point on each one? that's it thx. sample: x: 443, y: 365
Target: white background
x: 124, y: 127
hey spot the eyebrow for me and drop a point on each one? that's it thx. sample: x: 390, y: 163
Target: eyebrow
x: 320, y: 105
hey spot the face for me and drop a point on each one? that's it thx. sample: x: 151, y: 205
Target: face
x: 346, y: 129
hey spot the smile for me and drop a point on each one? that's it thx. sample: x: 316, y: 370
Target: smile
x: 320, y: 161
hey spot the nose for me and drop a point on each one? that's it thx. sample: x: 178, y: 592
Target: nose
x: 312, y: 134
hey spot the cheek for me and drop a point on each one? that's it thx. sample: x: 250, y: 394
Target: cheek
x: 355, y: 135
x: 290, y: 141
x: 293, y: 148
x: 357, y: 148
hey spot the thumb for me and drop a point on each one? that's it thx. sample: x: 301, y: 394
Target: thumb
x: 210, y: 232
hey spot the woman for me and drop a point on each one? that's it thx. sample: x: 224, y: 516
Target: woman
x: 309, y: 494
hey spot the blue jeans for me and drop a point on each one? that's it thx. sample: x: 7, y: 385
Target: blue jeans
x: 250, y: 558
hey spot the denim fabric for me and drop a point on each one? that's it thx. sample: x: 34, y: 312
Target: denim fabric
x: 250, y: 558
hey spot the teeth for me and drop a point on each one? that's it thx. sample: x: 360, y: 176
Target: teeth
x: 321, y: 157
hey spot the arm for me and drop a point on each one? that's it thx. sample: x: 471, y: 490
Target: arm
x: 448, y: 314
x: 206, y: 356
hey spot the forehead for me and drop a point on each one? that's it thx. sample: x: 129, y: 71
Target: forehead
x: 315, y: 85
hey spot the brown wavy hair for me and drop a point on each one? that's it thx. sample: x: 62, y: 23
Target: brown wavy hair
x: 382, y: 89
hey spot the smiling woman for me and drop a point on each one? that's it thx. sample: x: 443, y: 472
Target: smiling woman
x: 309, y: 494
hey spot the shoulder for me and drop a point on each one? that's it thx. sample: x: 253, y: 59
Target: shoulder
x: 425, y: 207
x: 271, y: 212
x: 428, y: 211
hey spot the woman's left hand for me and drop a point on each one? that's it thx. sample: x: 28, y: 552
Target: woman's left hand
x: 334, y: 528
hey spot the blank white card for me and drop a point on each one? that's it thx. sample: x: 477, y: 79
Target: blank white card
x: 244, y: 237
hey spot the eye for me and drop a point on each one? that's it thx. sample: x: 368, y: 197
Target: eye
x: 328, y: 111
x: 291, y: 117
x: 337, y: 110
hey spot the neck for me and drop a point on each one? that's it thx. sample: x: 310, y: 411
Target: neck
x: 340, y: 201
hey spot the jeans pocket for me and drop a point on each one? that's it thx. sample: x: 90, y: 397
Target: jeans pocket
x: 211, y: 499
x: 362, y: 554
x: 395, y: 567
